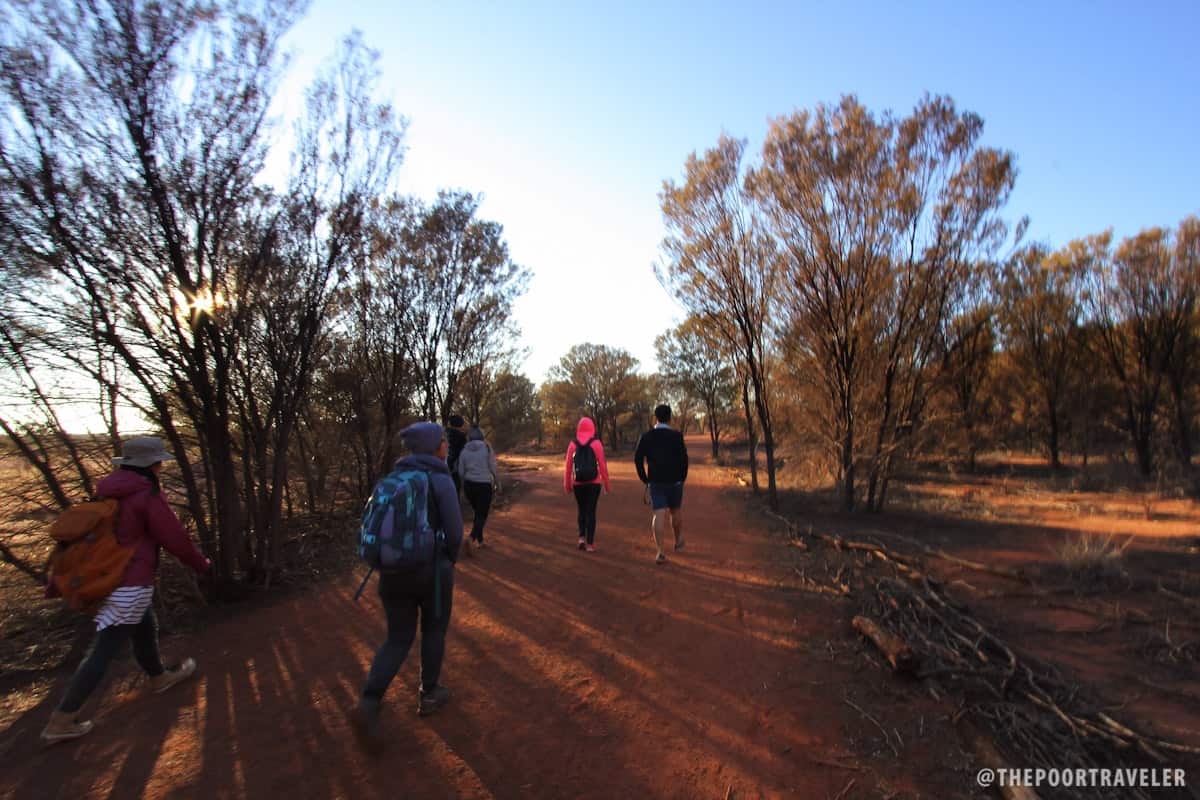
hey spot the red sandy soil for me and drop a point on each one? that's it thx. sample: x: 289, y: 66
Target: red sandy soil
x: 575, y: 675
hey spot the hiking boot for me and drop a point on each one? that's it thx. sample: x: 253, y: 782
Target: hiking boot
x: 364, y: 722
x: 582, y: 543
x: 591, y: 548
x: 63, y: 726
x: 429, y: 702
x: 170, y: 677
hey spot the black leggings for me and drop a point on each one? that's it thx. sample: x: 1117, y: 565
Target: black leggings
x: 587, y: 496
x: 479, y: 495
x: 404, y: 597
x: 104, y: 648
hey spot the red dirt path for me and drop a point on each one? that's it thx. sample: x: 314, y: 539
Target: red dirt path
x: 575, y: 675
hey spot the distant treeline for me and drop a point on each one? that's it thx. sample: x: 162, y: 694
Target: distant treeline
x: 865, y: 291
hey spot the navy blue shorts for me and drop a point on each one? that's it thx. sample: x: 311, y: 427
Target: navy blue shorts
x: 666, y: 495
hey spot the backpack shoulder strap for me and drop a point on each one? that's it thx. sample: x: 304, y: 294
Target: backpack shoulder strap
x: 432, y: 513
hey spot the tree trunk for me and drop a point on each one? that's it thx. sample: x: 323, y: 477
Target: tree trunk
x: 1183, y: 428
x: 848, y: 465
x: 1052, y: 436
x: 714, y: 435
x: 764, y: 420
x: 228, y: 507
x: 751, y: 436
x: 310, y: 480
x: 1141, y: 431
x: 772, y: 495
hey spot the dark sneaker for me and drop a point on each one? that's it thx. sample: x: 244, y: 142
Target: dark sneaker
x: 429, y: 702
x: 364, y: 721
x: 582, y: 543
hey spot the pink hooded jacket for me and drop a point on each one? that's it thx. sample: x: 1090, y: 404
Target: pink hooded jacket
x: 585, y: 430
x: 146, y: 519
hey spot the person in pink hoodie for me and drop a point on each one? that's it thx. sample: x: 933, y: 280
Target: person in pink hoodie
x: 585, y: 473
x: 146, y: 522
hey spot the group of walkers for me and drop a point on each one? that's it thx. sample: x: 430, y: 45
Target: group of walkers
x: 662, y: 465
x: 456, y: 460
x: 453, y: 460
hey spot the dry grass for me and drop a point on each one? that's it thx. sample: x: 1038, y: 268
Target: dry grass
x: 1093, y: 554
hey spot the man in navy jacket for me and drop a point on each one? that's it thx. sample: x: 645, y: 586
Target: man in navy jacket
x: 662, y: 463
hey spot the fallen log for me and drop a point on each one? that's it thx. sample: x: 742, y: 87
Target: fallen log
x: 990, y: 758
x: 894, y: 649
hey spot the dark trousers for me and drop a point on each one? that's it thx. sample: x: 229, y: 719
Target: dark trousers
x: 405, y: 598
x: 479, y: 495
x: 104, y: 648
x: 587, y: 496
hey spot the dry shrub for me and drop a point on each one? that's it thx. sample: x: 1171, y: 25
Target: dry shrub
x: 1092, y: 555
x: 1164, y: 647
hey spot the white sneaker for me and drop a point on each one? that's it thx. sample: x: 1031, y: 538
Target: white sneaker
x: 170, y: 677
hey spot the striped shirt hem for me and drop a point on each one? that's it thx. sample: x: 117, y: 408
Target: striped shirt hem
x: 125, y: 606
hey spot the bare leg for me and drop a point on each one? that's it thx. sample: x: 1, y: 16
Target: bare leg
x: 657, y: 527
x: 677, y: 526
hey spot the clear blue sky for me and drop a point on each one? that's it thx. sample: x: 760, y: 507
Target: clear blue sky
x: 567, y: 117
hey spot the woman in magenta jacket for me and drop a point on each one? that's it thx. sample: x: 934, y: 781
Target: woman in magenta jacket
x: 145, y: 521
x: 587, y: 490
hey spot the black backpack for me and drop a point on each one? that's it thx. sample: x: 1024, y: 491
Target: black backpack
x: 584, y: 463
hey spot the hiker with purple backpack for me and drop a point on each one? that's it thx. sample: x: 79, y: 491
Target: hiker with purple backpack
x: 585, y: 472
x: 412, y: 532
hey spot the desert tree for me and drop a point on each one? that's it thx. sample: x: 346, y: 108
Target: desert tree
x: 512, y: 410
x: 722, y: 267
x: 967, y: 351
x: 1183, y: 368
x: 596, y: 381
x: 462, y: 287
x: 475, y: 387
x: 125, y: 191
x: 691, y: 359
x: 1039, y: 293
x: 422, y: 323
x: 132, y: 154
x: 881, y: 223
x: 1144, y: 298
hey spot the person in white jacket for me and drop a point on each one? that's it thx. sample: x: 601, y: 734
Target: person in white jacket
x: 477, y: 468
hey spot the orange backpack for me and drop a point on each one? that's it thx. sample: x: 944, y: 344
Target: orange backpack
x: 88, y: 562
